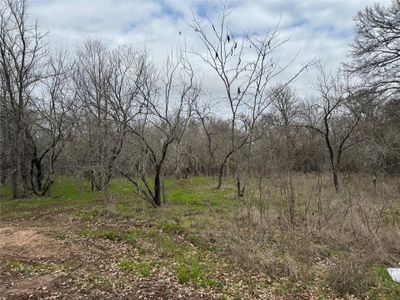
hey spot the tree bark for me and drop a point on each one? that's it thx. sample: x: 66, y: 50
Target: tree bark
x: 157, y: 188
x: 335, y: 180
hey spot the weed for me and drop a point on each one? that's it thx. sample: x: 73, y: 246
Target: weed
x: 171, y: 228
x: 38, y: 267
x: 143, y: 268
x: 350, y: 277
x: 87, y: 215
x: 16, y: 265
x: 190, y: 269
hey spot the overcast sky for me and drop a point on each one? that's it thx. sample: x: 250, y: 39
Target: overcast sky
x: 320, y: 29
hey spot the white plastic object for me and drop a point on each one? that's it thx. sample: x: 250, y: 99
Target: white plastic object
x: 394, y: 273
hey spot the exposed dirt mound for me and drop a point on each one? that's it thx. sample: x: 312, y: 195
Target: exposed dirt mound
x: 28, y: 243
x: 27, y: 287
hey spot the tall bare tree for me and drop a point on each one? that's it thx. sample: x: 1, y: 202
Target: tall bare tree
x: 166, y: 100
x: 203, y: 113
x: 53, y: 121
x: 106, y: 82
x: 245, y: 66
x: 285, y: 103
x: 376, y: 47
x: 335, y: 117
x: 22, y: 53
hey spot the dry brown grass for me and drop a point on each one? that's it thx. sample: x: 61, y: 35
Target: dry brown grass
x: 336, y: 240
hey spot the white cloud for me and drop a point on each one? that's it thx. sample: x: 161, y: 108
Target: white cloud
x: 318, y: 29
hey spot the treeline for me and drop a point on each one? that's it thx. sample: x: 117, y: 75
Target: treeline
x: 103, y: 112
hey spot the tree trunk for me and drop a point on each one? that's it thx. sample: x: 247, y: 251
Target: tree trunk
x: 96, y: 181
x: 221, y: 170
x: 24, y: 176
x: 335, y: 180
x: 157, y: 188
x: 4, y: 151
x: 49, y: 183
x: 36, y: 176
x: 240, y: 190
x: 16, y: 183
x: 220, y: 175
x: 16, y: 156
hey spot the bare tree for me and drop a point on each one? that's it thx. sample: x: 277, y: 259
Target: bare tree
x: 284, y: 101
x: 376, y: 47
x: 22, y: 53
x: 203, y: 113
x: 380, y: 152
x: 107, y: 86
x: 53, y: 123
x: 336, y: 116
x: 245, y: 66
x: 165, y: 111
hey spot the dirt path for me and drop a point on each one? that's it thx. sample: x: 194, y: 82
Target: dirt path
x: 34, y: 265
x: 23, y: 243
x: 19, y: 246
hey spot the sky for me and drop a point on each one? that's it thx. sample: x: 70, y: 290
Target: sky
x: 315, y: 29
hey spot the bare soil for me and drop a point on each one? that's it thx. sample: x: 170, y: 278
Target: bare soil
x: 92, y: 275
x: 26, y: 243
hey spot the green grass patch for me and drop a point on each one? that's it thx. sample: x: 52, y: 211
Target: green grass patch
x: 185, y: 197
x: 190, y: 269
x: 16, y: 265
x: 38, y: 267
x: 171, y: 228
x: 168, y: 247
x: 142, y: 268
x: 5, y: 192
x: 66, y: 193
x: 88, y: 215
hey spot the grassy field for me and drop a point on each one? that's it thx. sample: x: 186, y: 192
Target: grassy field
x: 203, y: 243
